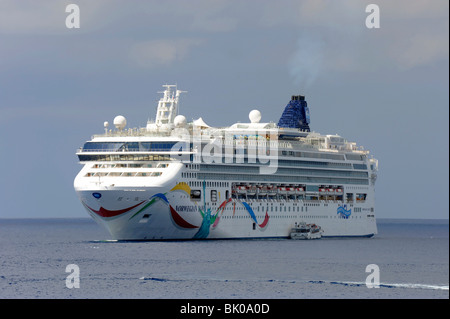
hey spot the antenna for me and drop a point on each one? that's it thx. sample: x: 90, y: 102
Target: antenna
x: 168, y: 105
x: 105, y: 125
x: 177, y: 98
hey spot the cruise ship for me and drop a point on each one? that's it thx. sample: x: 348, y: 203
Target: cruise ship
x: 179, y: 180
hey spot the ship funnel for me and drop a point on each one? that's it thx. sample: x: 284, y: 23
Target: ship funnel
x: 296, y: 114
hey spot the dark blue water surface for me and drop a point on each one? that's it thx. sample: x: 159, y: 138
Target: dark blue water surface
x: 412, y: 257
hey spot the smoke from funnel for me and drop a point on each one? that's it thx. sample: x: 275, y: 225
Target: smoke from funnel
x: 307, y: 62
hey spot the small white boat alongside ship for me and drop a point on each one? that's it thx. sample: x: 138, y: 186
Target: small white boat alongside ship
x: 306, y: 231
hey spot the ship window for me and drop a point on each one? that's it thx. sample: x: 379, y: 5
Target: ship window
x: 156, y: 174
x: 131, y: 146
x: 361, y: 197
x: 114, y: 174
x: 312, y: 188
x: 213, y: 195
x: 354, y: 157
x: 98, y: 146
x: 196, y: 194
x: 349, y: 197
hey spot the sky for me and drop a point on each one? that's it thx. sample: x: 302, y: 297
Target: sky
x: 384, y: 88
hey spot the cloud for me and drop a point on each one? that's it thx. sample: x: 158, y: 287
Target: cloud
x: 48, y: 16
x: 18, y: 17
x: 420, y: 49
x: 215, y: 24
x: 308, y: 60
x: 333, y: 37
x: 163, y: 52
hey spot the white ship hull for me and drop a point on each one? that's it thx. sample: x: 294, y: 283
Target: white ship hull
x: 165, y: 213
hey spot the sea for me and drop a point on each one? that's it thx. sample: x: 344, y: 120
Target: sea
x: 76, y: 259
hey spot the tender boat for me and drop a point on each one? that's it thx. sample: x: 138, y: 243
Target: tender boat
x: 306, y: 231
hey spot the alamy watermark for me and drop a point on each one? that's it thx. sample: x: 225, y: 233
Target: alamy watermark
x: 73, y: 279
x: 373, y: 19
x: 373, y: 279
x: 249, y: 146
x: 73, y: 19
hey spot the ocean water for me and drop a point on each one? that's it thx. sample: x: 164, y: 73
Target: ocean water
x: 412, y: 257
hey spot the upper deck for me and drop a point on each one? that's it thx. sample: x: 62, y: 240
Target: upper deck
x: 171, y: 135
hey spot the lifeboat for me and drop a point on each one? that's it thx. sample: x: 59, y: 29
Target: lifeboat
x: 290, y: 190
x: 299, y: 190
x: 271, y: 190
x: 262, y: 190
x: 241, y: 189
x: 251, y: 190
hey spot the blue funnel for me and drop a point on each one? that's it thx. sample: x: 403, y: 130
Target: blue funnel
x: 296, y: 114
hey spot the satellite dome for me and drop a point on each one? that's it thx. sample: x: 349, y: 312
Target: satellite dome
x: 179, y: 120
x: 255, y: 116
x: 106, y: 124
x: 120, y: 122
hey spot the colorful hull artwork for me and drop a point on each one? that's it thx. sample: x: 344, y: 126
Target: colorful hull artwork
x: 209, y: 219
